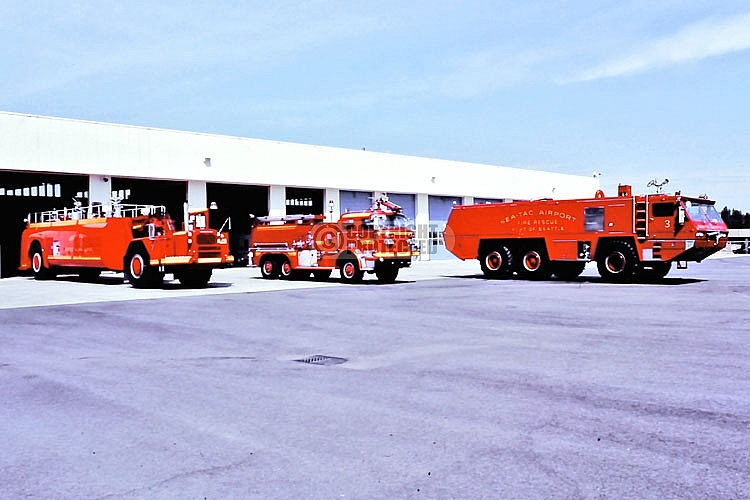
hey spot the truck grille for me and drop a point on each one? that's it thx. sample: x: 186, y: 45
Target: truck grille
x: 206, y: 239
x: 209, y: 252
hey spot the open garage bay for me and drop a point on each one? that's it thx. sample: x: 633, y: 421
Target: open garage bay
x: 447, y: 387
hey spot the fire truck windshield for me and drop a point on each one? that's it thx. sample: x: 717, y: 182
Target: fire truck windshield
x: 389, y: 221
x: 702, y: 212
x: 198, y: 221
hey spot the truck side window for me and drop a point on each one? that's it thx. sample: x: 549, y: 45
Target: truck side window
x: 663, y: 209
x: 593, y: 219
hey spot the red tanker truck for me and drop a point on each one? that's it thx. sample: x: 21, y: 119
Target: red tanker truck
x: 377, y: 240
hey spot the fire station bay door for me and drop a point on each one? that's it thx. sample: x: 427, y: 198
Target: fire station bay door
x: 354, y: 201
x: 440, y: 208
x: 304, y: 201
x: 408, y: 205
x: 22, y: 193
x: 170, y: 194
x: 236, y: 202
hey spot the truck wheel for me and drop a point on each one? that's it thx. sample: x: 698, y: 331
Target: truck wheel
x: 321, y: 275
x: 497, y: 263
x: 268, y: 268
x: 568, y: 271
x: 534, y: 265
x: 196, y: 278
x: 286, y: 271
x: 37, y: 264
x: 139, y: 272
x: 617, y: 262
x: 655, y: 272
x: 350, y: 272
x: 386, y: 273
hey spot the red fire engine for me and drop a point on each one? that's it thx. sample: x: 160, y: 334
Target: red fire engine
x: 628, y: 236
x: 140, y: 240
x: 377, y: 241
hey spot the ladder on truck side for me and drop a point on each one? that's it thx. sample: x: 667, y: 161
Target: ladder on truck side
x: 641, y: 217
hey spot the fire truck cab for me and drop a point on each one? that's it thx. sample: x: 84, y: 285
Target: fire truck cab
x: 627, y: 236
x: 377, y: 240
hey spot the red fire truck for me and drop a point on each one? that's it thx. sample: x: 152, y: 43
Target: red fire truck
x: 629, y: 237
x: 377, y: 240
x: 140, y: 240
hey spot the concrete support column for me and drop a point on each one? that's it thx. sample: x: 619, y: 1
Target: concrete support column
x: 196, y: 194
x: 332, y: 204
x: 467, y: 200
x: 276, y: 201
x: 422, y: 223
x: 100, y: 189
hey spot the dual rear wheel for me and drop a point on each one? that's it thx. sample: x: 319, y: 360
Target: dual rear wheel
x: 497, y: 263
x: 617, y: 261
x: 280, y: 267
x: 500, y: 262
x: 534, y: 264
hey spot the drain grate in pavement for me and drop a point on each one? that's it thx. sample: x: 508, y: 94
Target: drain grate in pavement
x: 319, y: 359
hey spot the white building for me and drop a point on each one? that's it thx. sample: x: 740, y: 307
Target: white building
x: 45, y: 161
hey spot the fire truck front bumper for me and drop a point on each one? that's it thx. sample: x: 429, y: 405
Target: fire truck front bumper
x: 398, y: 259
x: 181, y: 260
x: 393, y: 255
x: 698, y: 250
x: 686, y: 250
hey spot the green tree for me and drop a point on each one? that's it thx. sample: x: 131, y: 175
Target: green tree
x: 734, y: 219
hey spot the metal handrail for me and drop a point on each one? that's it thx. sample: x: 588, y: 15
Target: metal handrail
x: 118, y: 210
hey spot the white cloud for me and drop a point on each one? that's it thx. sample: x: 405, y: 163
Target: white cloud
x: 698, y: 41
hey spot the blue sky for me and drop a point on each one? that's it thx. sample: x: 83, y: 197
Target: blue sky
x: 636, y: 90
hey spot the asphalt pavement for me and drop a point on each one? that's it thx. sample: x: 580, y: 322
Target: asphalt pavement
x: 442, y: 385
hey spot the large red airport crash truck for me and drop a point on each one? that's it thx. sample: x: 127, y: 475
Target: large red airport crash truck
x: 377, y: 240
x: 139, y: 240
x: 629, y: 237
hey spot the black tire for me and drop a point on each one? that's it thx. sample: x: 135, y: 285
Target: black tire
x: 41, y: 272
x: 350, y: 271
x: 195, y: 278
x: 497, y: 263
x: 568, y: 271
x: 322, y: 275
x: 654, y: 271
x: 139, y: 272
x: 269, y: 268
x: 386, y: 273
x: 617, y: 262
x: 533, y: 264
x: 286, y: 271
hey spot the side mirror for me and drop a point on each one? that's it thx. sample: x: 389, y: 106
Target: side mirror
x: 680, y: 215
